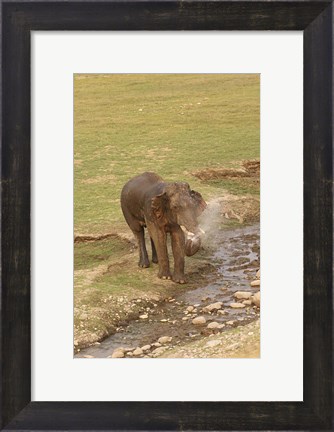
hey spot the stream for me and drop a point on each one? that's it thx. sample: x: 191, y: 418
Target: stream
x: 236, y: 258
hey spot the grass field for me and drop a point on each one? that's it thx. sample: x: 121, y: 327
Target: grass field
x: 170, y: 124
x: 173, y: 125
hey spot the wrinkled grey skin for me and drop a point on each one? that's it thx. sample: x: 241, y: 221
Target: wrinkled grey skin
x: 148, y: 201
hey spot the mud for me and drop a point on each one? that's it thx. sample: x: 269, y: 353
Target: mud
x: 248, y: 169
x: 235, y: 256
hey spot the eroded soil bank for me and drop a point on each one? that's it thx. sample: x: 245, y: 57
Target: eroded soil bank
x: 165, y: 326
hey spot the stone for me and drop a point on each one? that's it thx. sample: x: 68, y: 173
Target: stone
x: 118, y: 353
x: 138, y: 351
x: 146, y: 347
x: 256, y: 299
x: 199, y: 320
x: 185, y: 318
x: 190, y: 308
x: 255, y: 283
x: 76, y: 343
x: 221, y: 312
x: 213, y: 343
x: 163, y: 320
x: 213, y: 325
x: 230, y: 323
x: 247, y: 302
x: 242, y: 295
x: 212, y: 307
x: 164, y: 339
x: 88, y: 356
x: 237, y: 305
x: 144, y: 316
x: 158, y: 351
x: 156, y: 344
x: 258, y: 274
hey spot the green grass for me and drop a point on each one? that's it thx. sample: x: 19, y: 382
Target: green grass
x: 170, y: 124
x: 90, y: 254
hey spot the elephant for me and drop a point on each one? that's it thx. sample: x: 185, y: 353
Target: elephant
x: 148, y: 201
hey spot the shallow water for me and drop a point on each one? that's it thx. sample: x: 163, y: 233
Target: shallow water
x: 235, y: 254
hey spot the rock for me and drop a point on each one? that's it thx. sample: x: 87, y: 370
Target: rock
x: 118, y: 353
x: 237, y: 305
x: 164, y: 320
x: 199, y: 320
x: 156, y: 344
x: 221, y: 312
x: 213, y: 343
x: 164, y: 339
x: 185, y: 318
x: 146, y: 347
x: 213, y: 325
x: 144, y: 316
x: 230, y: 323
x: 255, y: 283
x: 256, y: 299
x: 247, y: 302
x: 190, y: 308
x: 242, y: 295
x: 138, y: 351
x: 76, y: 343
x: 88, y: 356
x: 158, y: 351
x: 212, y: 307
x: 258, y: 274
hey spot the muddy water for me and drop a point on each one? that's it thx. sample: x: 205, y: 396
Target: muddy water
x: 235, y: 254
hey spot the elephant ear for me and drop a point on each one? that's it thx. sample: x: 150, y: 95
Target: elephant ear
x: 159, y: 205
x: 202, y: 205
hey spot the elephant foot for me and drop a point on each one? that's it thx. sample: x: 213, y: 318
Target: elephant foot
x: 155, y: 260
x: 144, y: 264
x: 165, y: 275
x: 179, y: 279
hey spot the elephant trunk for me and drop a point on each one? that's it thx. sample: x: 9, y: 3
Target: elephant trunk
x: 192, y: 241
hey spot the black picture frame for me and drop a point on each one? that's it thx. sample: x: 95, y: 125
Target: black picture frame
x: 315, y: 19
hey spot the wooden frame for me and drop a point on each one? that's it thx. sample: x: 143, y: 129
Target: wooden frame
x: 315, y: 18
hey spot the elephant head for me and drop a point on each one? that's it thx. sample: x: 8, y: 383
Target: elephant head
x: 177, y: 204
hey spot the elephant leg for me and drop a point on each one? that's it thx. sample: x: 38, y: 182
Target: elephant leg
x: 178, y: 247
x: 159, y: 238
x: 154, y: 253
x: 143, y: 257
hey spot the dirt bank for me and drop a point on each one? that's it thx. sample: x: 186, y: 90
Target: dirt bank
x: 239, y: 342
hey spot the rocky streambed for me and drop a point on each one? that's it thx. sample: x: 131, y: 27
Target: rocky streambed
x: 209, y: 311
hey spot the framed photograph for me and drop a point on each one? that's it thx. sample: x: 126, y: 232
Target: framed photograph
x: 137, y: 145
